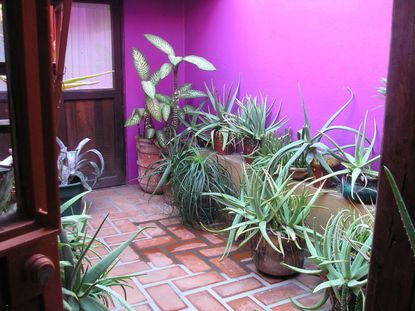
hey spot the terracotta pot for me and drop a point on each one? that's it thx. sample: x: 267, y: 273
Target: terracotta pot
x: 299, y: 173
x: 250, y: 146
x: 267, y: 260
x: 319, y: 171
x: 218, y: 144
x: 148, y: 154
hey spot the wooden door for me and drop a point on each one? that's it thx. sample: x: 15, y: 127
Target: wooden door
x: 30, y: 220
x: 96, y: 111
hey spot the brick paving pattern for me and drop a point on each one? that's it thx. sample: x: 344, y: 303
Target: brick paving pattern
x: 180, y: 268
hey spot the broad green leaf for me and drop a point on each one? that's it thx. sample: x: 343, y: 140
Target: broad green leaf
x: 192, y: 94
x: 163, y: 98
x: 141, y: 64
x: 135, y: 118
x: 160, y: 43
x: 166, y: 112
x: 175, y: 60
x: 71, y: 201
x: 150, y: 133
x: 154, y: 108
x: 200, y: 62
x: 160, y: 74
x: 161, y: 138
x: 149, y: 88
x: 89, y: 303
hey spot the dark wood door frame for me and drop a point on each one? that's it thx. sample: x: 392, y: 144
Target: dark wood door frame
x: 101, y: 94
x: 392, y: 268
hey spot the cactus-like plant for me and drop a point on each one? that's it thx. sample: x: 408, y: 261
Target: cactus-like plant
x: 406, y: 218
x: 161, y: 107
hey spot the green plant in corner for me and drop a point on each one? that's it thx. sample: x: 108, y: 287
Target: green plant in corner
x: 403, y: 210
x: 162, y: 107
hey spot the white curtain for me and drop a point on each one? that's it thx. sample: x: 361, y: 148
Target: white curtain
x: 89, y: 49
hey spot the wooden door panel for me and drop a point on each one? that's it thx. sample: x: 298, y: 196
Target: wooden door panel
x: 95, y: 118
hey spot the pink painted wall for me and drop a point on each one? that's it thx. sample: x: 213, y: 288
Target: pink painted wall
x: 160, y: 17
x: 326, y: 45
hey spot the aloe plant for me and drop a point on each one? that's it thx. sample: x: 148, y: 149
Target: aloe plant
x: 382, y: 89
x: 342, y: 255
x: 86, y: 286
x: 266, y: 205
x: 161, y: 107
x: 74, y: 163
x: 403, y: 210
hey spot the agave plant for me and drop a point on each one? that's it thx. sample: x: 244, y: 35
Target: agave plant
x: 403, y: 210
x: 342, y: 256
x: 265, y: 206
x: 86, y: 286
x: 253, y: 118
x: 309, y: 145
x: 215, y: 119
x: 75, y: 163
x: 162, y: 107
x: 357, y: 166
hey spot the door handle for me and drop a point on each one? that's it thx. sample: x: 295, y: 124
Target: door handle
x: 39, y: 269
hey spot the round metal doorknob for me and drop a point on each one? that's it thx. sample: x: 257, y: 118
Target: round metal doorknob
x: 39, y: 269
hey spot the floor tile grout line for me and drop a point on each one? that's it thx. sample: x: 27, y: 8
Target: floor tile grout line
x: 287, y: 300
x: 259, y: 303
x: 149, y: 299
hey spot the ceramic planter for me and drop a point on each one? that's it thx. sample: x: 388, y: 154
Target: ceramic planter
x: 67, y: 192
x: 267, y: 260
x: 250, y: 146
x: 366, y: 193
x: 319, y: 171
x: 147, y: 154
x: 298, y: 173
x: 218, y: 144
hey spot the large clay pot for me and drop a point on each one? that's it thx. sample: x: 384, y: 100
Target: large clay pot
x: 250, y: 146
x: 319, y: 171
x: 148, y: 154
x: 218, y: 144
x: 267, y: 260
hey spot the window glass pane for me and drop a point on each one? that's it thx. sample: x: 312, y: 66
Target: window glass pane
x: 89, y: 49
x: 2, y: 58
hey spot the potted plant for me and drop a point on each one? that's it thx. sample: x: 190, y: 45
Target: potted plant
x: 76, y: 170
x: 359, y: 182
x: 214, y: 122
x: 311, y: 146
x: 342, y: 255
x: 270, y: 216
x: 252, y: 123
x: 159, y: 107
x: 87, y: 286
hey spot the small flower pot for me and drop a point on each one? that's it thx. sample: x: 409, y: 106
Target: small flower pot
x: 367, y: 194
x: 267, y: 260
x: 319, y: 171
x: 67, y: 192
x: 148, y: 154
x: 250, y: 147
x: 298, y: 173
x: 218, y: 144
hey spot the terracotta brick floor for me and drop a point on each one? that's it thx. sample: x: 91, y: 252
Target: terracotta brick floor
x: 181, y: 268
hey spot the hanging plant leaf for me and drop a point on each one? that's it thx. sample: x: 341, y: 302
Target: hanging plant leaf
x: 154, y: 108
x: 149, y: 88
x: 200, y: 62
x: 141, y: 64
x: 163, y: 99
x: 161, y: 138
x: 160, y: 74
x: 150, y: 133
x: 175, y: 60
x: 166, y: 112
x: 160, y: 43
x: 136, y: 117
x: 192, y: 94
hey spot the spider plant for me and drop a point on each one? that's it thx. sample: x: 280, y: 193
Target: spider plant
x: 215, y: 120
x: 192, y: 175
x: 310, y: 145
x: 266, y: 206
x: 75, y: 163
x: 403, y: 210
x: 86, y: 286
x: 357, y: 166
x: 342, y: 255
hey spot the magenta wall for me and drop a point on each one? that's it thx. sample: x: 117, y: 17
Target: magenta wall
x: 326, y: 45
x: 160, y: 17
